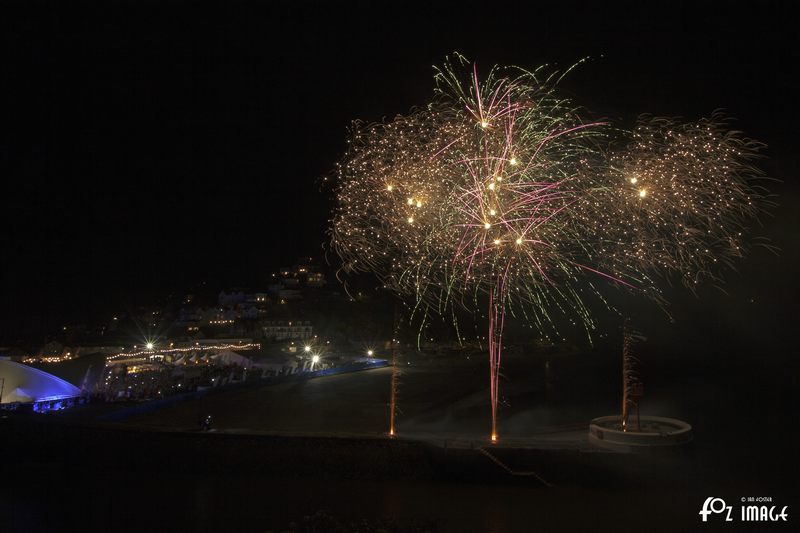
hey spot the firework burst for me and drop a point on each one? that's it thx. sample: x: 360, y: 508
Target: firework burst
x: 687, y: 194
x: 499, y: 188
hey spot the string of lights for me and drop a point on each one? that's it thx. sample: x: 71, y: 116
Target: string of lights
x: 196, y: 348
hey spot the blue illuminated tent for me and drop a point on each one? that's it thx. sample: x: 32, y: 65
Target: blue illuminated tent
x: 22, y: 383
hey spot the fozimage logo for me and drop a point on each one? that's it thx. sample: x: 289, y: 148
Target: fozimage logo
x: 752, y: 509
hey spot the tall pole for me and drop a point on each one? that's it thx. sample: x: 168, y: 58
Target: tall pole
x: 497, y: 317
x: 393, y: 390
x: 627, y: 369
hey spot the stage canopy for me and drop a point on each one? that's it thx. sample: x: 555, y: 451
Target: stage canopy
x: 22, y: 383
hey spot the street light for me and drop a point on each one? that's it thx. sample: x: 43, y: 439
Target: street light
x: 370, y: 352
x: 149, y: 345
x: 307, y: 349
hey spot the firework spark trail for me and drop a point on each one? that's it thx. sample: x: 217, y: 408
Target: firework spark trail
x: 498, y: 188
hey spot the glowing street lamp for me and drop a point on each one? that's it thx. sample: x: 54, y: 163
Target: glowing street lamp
x: 307, y: 349
x: 149, y: 345
x: 370, y: 352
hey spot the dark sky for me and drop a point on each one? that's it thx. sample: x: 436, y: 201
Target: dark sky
x: 146, y: 148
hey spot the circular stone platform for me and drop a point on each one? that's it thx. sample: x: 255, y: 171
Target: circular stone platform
x: 656, y: 431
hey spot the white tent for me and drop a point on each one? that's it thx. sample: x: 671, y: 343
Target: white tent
x: 22, y: 383
x: 229, y: 357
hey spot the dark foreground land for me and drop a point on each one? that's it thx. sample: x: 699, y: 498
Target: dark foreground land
x: 111, y: 479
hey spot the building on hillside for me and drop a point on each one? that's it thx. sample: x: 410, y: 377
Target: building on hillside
x: 282, y: 330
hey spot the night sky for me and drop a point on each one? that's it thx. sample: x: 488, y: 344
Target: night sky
x: 145, y: 149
